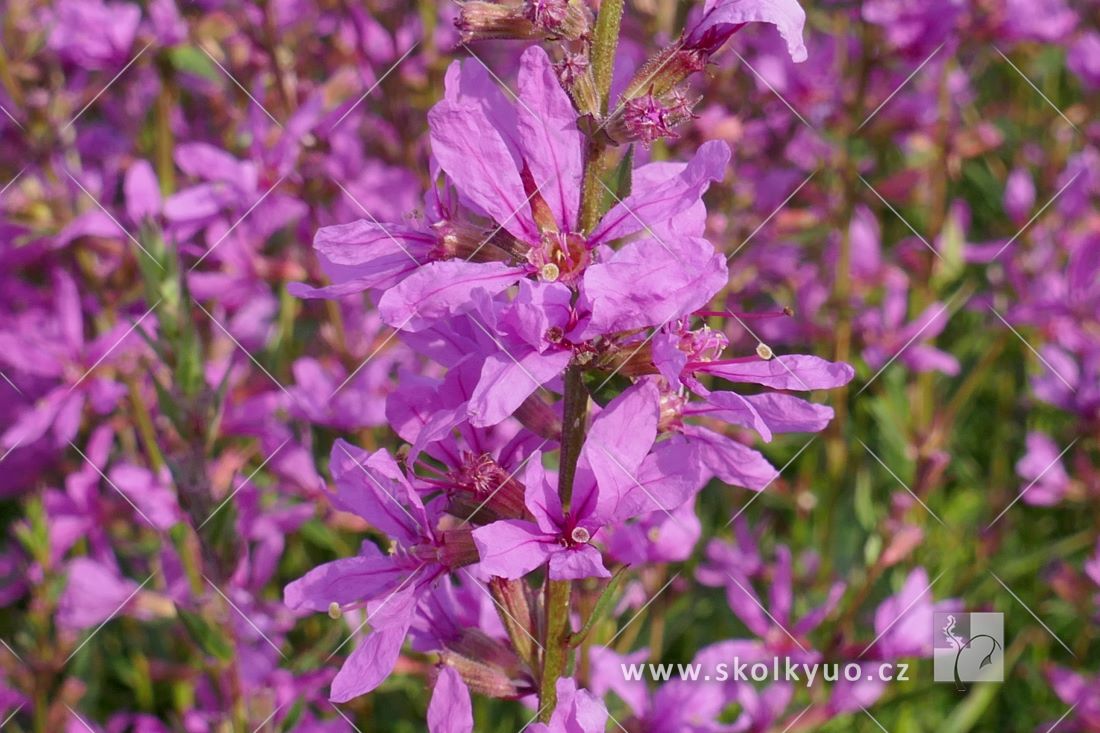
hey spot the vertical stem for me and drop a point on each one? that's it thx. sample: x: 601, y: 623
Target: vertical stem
x: 574, y: 414
x: 557, y: 592
x: 605, y: 39
x: 555, y: 645
x: 575, y: 408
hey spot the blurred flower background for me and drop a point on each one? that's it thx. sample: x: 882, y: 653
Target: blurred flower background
x: 918, y: 199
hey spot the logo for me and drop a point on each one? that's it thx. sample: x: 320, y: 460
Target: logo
x: 968, y: 647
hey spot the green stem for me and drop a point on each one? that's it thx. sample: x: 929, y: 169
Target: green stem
x: 605, y: 39
x: 574, y: 414
x: 556, y: 643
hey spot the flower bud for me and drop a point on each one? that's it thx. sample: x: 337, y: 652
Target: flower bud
x: 575, y: 74
x: 539, y: 417
x: 482, y: 678
x: 647, y: 119
x: 484, y: 492
x: 665, y: 71
x: 531, y: 20
x: 457, y: 548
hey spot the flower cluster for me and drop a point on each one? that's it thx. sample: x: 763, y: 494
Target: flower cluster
x: 626, y: 339
x: 526, y: 307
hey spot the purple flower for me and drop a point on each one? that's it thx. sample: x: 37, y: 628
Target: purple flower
x: 1019, y: 195
x: 722, y: 18
x: 94, y: 34
x: 888, y: 336
x: 1041, y: 467
x: 519, y: 167
x: 779, y: 635
x: 902, y: 621
x: 95, y: 593
x: 388, y: 586
x: 617, y: 479
x: 577, y: 711
x: 52, y: 347
x: 1083, y: 59
x: 1082, y: 693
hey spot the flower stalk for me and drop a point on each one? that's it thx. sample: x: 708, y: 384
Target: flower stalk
x: 575, y: 408
x: 604, y: 42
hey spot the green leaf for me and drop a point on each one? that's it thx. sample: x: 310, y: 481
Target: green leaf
x: 604, y: 388
x: 603, y: 605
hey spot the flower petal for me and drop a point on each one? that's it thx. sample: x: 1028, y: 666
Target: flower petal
x: 654, y: 206
x: 450, y: 710
x: 551, y: 143
x: 441, y: 289
x: 511, y: 548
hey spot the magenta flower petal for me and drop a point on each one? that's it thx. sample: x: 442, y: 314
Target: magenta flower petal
x: 661, y: 203
x: 551, y: 142
x: 508, y: 379
x: 730, y: 461
x: 648, y: 283
x: 377, y: 255
x: 511, y: 548
x: 476, y: 157
x: 578, y: 711
x: 794, y: 371
x: 344, y: 581
x: 668, y: 477
x: 440, y: 289
x: 620, y: 438
x: 721, y: 18
x: 95, y: 592
x: 785, y: 413
x: 373, y: 487
x: 737, y: 410
x: 142, y: 191
x: 577, y: 563
x: 450, y: 710
x: 371, y: 662
x: 541, y: 498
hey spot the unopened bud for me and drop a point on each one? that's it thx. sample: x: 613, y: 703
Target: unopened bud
x: 575, y: 74
x: 647, y: 119
x: 464, y: 241
x: 533, y: 20
x: 665, y: 71
x: 539, y: 417
x: 481, y: 678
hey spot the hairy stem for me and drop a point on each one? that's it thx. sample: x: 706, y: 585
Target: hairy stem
x: 556, y: 643
x: 556, y: 646
x: 605, y: 39
x: 574, y: 414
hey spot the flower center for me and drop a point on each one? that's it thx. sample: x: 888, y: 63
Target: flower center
x: 547, y: 14
x: 560, y: 257
x: 580, y: 535
x: 672, y: 412
x: 704, y: 344
x: 479, y: 473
